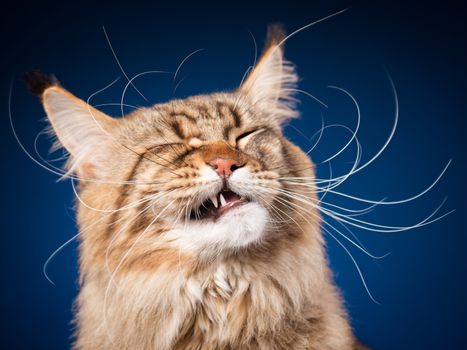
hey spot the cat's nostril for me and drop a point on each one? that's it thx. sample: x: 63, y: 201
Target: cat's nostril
x: 225, y: 167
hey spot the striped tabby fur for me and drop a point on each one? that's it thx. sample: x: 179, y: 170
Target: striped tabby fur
x: 156, y: 276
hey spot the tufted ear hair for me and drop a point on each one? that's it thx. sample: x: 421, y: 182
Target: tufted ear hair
x: 85, y: 132
x: 272, y: 82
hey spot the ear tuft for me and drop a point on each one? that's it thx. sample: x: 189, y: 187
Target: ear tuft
x: 37, y: 81
x: 271, y: 84
x: 275, y: 35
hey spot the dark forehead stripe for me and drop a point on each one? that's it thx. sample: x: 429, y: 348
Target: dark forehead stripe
x: 227, y: 130
x: 177, y: 121
x: 224, y: 108
x: 203, y: 112
x: 236, y: 117
x: 185, y: 114
x: 125, y: 191
x: 177, y: 128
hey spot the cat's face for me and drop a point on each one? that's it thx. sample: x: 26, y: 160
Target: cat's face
x: 202, y: 175
x: 219, y: 164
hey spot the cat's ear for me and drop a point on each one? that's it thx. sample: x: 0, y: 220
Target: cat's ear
x: 84, y: 131
x: 271, y: 83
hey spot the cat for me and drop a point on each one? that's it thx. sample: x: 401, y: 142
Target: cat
x: 190, y: 237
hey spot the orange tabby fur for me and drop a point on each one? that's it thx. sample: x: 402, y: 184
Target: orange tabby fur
x: 150, y: 277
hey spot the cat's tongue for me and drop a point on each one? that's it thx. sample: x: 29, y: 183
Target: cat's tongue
x: 218, y: 204
x: 227, y: 200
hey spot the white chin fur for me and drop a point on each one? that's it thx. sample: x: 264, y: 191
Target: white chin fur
x: 237, y: 228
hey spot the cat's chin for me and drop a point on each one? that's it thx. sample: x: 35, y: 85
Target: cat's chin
x: 239, y: 227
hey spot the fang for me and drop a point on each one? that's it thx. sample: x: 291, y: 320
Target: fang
x: 222, y: 199
x: 214, y: 200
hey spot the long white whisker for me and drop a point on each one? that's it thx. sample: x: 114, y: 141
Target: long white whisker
x: 130, y: 81
x: 114, y: 104
x: 401, y: 201
x: 309, y: 95
x: 293, y: 206
x: 356, y: 127
x: 63, y: 245
x: 321, y: 131
x: 362, y: 278
x: 177, y: 85
x: 358, y: 246
x: 310, y: 25
x: 119, y: 64
x: 368, y: 226
x: 332, y: 181
x: 256, y: 48
x: 54, y: 253
x: 364, y: 224
x: 48, y: 162
x: 391, y: 134
x: 307, y: 182
x: 342, y: 178
x: 354, y: 211
x: 183, y: 61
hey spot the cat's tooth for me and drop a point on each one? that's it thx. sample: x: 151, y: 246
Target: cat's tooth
x: 214, y: 200
x: 223, y: 202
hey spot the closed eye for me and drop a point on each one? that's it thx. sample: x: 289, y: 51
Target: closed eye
x: 242, y: 139
x: 246, y: 134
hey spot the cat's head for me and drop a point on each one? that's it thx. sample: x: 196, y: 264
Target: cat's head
x: 202, y: 175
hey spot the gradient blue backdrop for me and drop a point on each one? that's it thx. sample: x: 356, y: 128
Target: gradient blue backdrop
x: 420, y: 285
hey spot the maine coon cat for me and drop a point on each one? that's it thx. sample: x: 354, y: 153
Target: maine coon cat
x: 191, y: 237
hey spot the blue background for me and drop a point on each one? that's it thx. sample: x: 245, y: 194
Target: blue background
x: 420, y: 285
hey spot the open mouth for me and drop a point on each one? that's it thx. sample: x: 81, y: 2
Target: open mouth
x: 217, y: 205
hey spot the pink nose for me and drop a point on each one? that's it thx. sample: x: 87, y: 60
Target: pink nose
x: 224, y: 167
